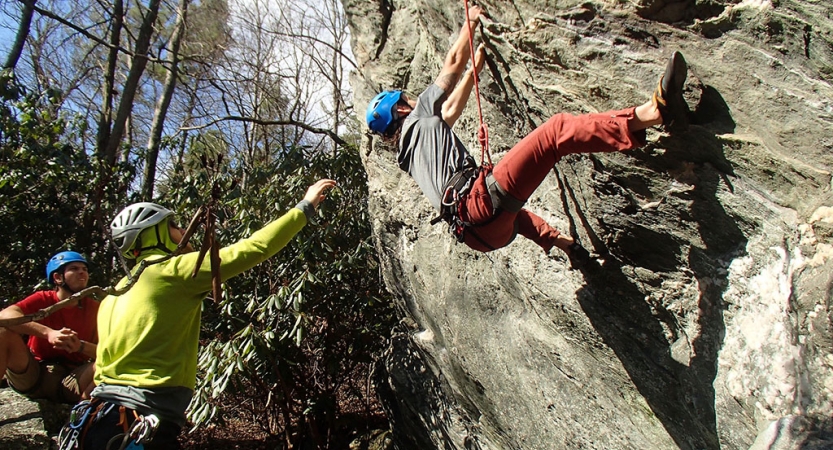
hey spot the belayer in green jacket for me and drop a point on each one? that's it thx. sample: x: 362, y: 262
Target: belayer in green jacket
x: 146, y: 365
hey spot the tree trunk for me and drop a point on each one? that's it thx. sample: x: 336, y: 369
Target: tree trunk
x: 105, y: 121
x: 336, y: 67
x: 22, y: 34
x: 131, y: 85
x: 163, y: 104
x: 183, y: 142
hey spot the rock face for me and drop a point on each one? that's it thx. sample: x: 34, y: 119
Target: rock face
x: 704, y: 321
x: 29, y: 425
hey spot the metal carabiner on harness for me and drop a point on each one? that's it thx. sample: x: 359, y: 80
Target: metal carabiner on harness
x: 144, y: 428
x: 445, y: 202
x: 457, y: 187
x: 78, y: 416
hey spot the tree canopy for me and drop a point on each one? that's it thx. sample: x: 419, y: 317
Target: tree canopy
x: 108, y: 103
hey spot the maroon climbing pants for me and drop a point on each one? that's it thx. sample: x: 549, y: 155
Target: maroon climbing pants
x: 526, y: 165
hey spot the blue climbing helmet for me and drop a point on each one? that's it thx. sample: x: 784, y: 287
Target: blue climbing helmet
x: 60, y: 260
x: 380, y: 113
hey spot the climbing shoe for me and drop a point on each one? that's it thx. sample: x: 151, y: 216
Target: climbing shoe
x: 579, y: 256
x: 668, y: 96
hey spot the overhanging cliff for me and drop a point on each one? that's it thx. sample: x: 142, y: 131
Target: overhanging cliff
x: 705, y: 320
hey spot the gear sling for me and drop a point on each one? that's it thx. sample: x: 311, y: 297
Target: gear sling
x: 88, y: 412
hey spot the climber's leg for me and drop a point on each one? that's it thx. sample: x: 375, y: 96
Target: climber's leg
x: 536, y: 229
x: 526, y: 165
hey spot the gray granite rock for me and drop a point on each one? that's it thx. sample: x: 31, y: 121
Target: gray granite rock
x: 28, y: 424
x: 705, y: 320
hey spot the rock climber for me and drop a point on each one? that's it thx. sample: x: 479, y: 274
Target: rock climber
x: 484, y: 206
x: 146, y: 367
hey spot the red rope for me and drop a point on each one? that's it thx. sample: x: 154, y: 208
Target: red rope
x: 483, y: 130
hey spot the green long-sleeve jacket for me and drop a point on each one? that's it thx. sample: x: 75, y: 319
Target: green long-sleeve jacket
x: 148, y: 336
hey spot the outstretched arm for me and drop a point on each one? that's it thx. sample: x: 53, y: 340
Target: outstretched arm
x: 315, y: 193
x: 246, y: 253
x: 456, y: 102
x: 457, y: 57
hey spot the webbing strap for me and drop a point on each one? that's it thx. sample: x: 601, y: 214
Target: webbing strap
x: 483, y: 130
x: 123, y: 418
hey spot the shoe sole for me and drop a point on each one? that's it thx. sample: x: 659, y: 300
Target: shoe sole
x: 672, y: 87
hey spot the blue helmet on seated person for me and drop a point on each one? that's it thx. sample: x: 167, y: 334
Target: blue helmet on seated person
x: 380, y: 111
x: 60, y: 260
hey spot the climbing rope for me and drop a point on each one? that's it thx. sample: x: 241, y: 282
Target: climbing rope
x: 483, y: 129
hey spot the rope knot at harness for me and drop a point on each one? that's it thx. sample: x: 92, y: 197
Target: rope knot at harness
x: 483, y: 138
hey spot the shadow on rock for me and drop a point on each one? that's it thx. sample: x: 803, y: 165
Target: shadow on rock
x: 627, y: 324
x: 19, y: 419
x: 29, y: 424
x: 641, y: 332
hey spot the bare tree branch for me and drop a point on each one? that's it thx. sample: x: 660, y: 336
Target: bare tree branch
x: 314, y: 39
x: 98, y: 40
x: 304, y: 126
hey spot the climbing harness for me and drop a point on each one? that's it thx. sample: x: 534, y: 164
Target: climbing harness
x: 450, y: 206
x: 87, y: 413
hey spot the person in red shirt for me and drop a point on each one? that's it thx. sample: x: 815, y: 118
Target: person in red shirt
x: 57, y: 362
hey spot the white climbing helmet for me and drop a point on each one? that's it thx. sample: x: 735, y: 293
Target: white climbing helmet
x: 132, y: 220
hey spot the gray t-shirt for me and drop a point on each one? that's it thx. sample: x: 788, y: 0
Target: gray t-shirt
x: 428, y: 149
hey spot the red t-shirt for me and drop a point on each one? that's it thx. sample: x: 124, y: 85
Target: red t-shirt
x: 82, y: 320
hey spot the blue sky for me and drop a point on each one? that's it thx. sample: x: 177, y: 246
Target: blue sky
x: 8, y: 25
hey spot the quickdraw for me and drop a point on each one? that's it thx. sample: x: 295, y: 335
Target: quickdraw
x: 141, y: 432
x: 69, y: 437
